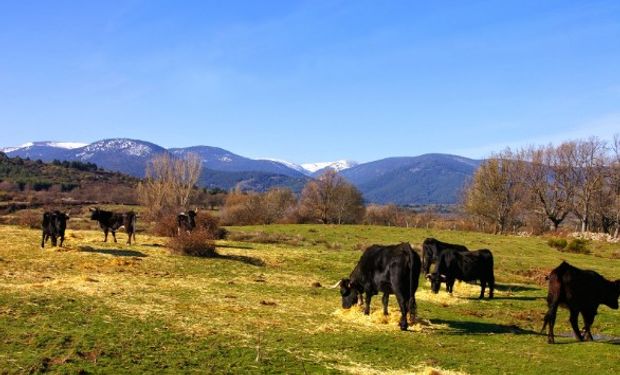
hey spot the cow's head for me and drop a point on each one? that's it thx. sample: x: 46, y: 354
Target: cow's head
x: 348, y: 293
x: 94, y: 213
x: 436, y: 279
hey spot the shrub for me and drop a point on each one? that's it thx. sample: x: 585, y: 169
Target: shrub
x: 211, y: 225
x: 29, y: 218
x: 166, y: 226
x: 198, y: 243
x: 578, y: 245
x: 558, y: 243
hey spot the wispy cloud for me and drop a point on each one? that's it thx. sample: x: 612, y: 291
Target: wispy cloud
x: 604, y: 127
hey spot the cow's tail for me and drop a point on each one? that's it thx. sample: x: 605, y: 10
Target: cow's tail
x: 412, y: 282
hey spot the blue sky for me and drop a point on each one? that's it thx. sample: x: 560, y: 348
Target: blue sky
x: 311, y: 80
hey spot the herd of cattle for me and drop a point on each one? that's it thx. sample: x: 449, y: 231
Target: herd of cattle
x: 395, y: 269
x: 54, y: 224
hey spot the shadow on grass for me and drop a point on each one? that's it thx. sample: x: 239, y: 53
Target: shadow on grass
x: 478, y: 328
x: 514, y: 288
x: 113, y: 252
x: 514, y: 298
x: 598, y: 338
x: 241, y: 258
x: 246, y: 247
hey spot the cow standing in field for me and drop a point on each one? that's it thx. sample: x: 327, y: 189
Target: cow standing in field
x: 186, y: 221
x: 391, y: 269
x: 432, y: 249
x: 464, y: 266
x: 580, y: 291
x: 53, y: 227
x: 112, y: 221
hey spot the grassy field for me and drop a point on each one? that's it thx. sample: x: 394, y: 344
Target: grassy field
x: 110, y: 308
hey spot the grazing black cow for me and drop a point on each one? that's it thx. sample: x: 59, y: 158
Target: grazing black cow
x: 186, y: 221
x: 465, y: 266
x: 111, y: 221
x: 393, y: 269
x: 432, y: 249
x: 53, y: 226
x: 580, y: 291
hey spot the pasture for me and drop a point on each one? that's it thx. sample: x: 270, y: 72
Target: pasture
x: 92, y: 307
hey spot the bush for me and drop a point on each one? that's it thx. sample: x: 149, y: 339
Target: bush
x: 166, y: 226
x: 198, y: 243
x: 29, y: 218
x: 211, y: 225
x: 558, y: 243
x: 578, y: 245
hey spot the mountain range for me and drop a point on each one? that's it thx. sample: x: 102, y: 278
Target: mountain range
x: 425, y: 179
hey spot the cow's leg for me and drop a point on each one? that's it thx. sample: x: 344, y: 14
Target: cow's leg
x: 574, y: 316
x: 588, y: 319
x: 550, y: 320
x: 368, y: 297
x: 62, y: 239
x: 54, y: 241
x: 43, y: 239
x: 403, y: 303
x: 450, y: 285
x: 491, y: 286
x: 385, y: 300
x: 483, y: 286
x: 413, y: 308
x: 105, y: 232
x: 113, y: 234
x: 128, y: 238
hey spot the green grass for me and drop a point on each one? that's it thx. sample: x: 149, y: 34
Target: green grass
x: 112, y: 308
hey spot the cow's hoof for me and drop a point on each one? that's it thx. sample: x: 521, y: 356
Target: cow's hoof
x: 550, y: 341
x: 403, y: 327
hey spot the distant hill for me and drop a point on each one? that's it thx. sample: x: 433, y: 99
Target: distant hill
x: 67, y: 175
x: 425, y: 179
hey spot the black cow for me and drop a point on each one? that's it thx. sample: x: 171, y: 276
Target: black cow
x: 432, y: 249
x: 111, y: 221
x: 465, y: 266
x: 53, y: 227
x: 393, y: 269
x: 186, y: 221
x: 580, y: 291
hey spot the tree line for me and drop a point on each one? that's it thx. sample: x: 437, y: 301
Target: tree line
x: 542, y: 187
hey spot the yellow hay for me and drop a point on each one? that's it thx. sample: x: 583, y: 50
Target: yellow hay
x: 462, y: 293
x: 357, y: 368
x: 376, y: 320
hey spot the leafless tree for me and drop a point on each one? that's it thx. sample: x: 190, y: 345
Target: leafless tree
x: 585, y: 164
x: 331, y: 199
x: 545, y: 180
x: 169, y: 183
x: 496, y: 192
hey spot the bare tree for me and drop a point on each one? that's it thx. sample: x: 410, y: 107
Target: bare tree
x: 614, y: 182
x: 169, y: 183
x: 546, y: 182
x: 331, y: 199
x: 496, y: 192
x: 585, y: 164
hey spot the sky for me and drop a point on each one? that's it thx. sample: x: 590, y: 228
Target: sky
x: 309, y: 81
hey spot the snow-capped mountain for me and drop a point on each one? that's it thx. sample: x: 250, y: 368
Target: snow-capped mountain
x: 425, y: 179
x: 338, y: 165
x: 30, y: 145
